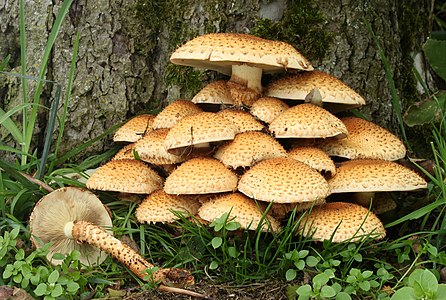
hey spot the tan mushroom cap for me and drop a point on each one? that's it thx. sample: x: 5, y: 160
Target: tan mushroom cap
x: 267, y: 109
x: 67, y: 204
x: 365, y: 140
x: 242, y: 119
x: 174, y: 112
x: 126, y: 176
x: 247, y: 148
x: 134, y: 128
x: 280, y: 210
x: 125, y: 152
x: 307, y: 121
x: 200, y: 128
x: 372, y: 175
x: 346, y: 222
x: 201, y: 176
x: 298, y: 86
x: 219, y: 51
x: 151, y: 149
x: 313, y: 157
x: 243, y: 209
x: 159, y: 207
x: 283, y: 180
x: 216, y: 92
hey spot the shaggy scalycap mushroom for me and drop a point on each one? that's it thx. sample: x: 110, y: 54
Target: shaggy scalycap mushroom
x: 216, y: 92
x: 313, y: 157
x: 134, y: 129
x: 266, y: 109
x: 242, y: 119
x: 174, y: 112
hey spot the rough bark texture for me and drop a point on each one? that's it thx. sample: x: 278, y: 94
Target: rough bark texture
x: 123, y: 69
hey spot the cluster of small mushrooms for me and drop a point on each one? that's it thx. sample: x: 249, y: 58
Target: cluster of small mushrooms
x: 255, y: 152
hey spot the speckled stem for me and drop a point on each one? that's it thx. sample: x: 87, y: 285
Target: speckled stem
x: 84, y: 232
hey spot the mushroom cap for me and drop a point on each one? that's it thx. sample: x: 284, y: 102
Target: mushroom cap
x: 283, y: 180
x: 346, y: 222
x: 126, y: 176
x: 373, y: 175
x: 247, y: 148
x: 134, y: 128
x: 174, y: 112
x: 151, y: 149
x: 365, y: 140
x: 200, y: 128
x: 242, y: 119
x: 298, y: 86
x: 219, y: 51
x: 201, y: 176
x: 307, y: 121
x: 216, y: 92
x: 125, y: 152
x: 64, y: 205
x: 267, y: 109
x: 243, y: 209
x: 159, y: 207
x: 314, y: 157
x: 280, y: 210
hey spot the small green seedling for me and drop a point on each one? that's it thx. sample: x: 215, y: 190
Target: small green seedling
x: 421, y: 285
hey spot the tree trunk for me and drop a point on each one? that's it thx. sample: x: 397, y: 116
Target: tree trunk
x: 123, y: 64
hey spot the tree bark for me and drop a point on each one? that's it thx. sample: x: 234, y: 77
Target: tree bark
x: 123, y: 64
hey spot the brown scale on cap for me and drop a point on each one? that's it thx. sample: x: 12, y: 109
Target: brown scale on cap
x: 247, y: 148
x: 307, y: 121
x: 243, y: 209
x: 134, y: 129
x: 346, y: 222
x: 242, y: 95
x: 159, y: 207
x: 373, y: 175
x: 313, y: 157
x: 298, y: 86
x: 242, y: 119
x: 266, y: 109
x: 126, y: 176
x: 201, y: 176
x: 151, y: 149
x: 283, y: 180
x: 125, y: 152
x: 280, y: 210
x: 174, y: 112
x: 365, y: 140
x: 216, y: 92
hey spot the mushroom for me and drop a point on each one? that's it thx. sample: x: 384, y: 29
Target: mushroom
x: 126, y: 152
x: 331, y: 90
x: 75, y: 219
x: 313, y: 157
x: 243, y: 56
x: 365, y: 140
x: 247, y: 148
x: 196, y: 132
x: 307, y: 121
x: 134, y: 128
x: 216, y: 92
x: 174, y: 112
x: 341, y: 222
x: 242, y: 119
x: 266, y: 109
x: 240, y: 209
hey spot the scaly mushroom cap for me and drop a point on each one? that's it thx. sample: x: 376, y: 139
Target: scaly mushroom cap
x: 280, y: 210
x: 267, y: 109
x: 283, y: 180
x: 151, y: 149
x: 365, y: 140
x: 243, y: 209
x: 201, y: 176
x: 125, y: 152
x: 53, y: 211
x: 346, y: 222
x: 372, y: 175
x: 298, y: 86
x: 307, y: 121
x: 247, y: 148
x: 134, y: 129
x: 200, y: 128
x: 242, y: 119
x: 219, y: 51
x: 159, y: 207
x: 174, y: 112
x: 126, y: 176
x: 314, y: 157
x: 216, y: 92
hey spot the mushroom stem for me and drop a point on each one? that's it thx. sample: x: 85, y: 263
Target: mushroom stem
x: 364, y: 198
x: 248, y: 76
x: 85, y: 232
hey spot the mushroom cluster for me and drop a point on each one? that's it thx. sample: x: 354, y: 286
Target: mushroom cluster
x: 238, y: 147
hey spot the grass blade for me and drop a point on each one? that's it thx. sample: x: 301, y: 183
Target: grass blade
x: 23, y: 78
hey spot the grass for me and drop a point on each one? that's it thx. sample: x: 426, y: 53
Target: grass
x: 219, y: 253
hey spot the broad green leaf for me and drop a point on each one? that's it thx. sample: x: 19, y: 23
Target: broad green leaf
x: 213, y: 265
x: 343, y: 296
x: 441, y: 292
x: 435, y: 52
x: 300, y: 264
x: 57, y: 291
x: 328, y: 292
x: 426, y: 112
x: 311, y: 261
x: 53, y: 277
x: 290, y: 274
x: 41, y: 289
x: 405, y: 293
x: 304, y: 290
x: 216, y: 242
x: 232, y: 251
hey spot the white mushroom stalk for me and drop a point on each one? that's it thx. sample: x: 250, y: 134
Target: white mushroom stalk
x: 248, y: 76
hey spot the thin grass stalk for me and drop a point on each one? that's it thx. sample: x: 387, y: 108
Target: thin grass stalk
x: 23, y: 78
